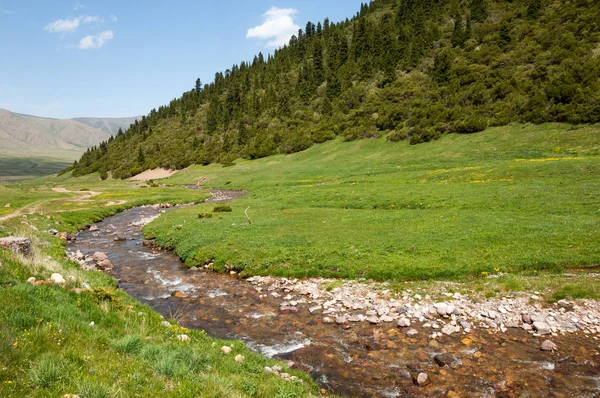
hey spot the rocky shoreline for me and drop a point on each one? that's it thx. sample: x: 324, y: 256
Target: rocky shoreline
x: 374, y: 303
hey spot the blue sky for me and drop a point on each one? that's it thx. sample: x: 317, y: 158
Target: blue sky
x: 117, y: 58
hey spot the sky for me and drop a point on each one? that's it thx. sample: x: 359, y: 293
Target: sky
x: 118, y: 58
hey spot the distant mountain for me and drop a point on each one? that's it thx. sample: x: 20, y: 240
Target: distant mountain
x: 109, y: 125
x: 31, y: 145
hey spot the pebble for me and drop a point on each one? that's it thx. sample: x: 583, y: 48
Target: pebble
x: 239, y: 358
x: 404, y: 322
x: 31, y: 280
x: 412, y: 332
x: 422, y: 379
x: 166, y: 324
x: 226, y: 349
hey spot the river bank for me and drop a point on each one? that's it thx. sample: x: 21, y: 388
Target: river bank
x: 362, y: 339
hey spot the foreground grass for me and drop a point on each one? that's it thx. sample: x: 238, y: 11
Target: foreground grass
x: 516, y: 198
x: 103, y: 343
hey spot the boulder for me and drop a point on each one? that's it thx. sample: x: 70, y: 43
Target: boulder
x: 547, y: 345
x: 99, y: 256
x: 105, y: 265
x: 57, y: 279
x: 17, y: 245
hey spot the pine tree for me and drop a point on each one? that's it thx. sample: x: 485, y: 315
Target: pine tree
x: 479, y: 10
x: 198, y: 87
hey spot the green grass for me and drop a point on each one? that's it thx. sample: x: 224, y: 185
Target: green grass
x: 517, y: 198
x: 50, y: 348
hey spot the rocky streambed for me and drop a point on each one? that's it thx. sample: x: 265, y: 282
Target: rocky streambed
x: 361, y: 339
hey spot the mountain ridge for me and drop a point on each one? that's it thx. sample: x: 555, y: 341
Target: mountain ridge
x: 408, y: 70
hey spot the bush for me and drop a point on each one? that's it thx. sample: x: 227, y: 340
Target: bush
x: 420, y: 135
x: 205, y: 215
x: 398, y: 135
x: 471, y: 125
x: 222, y: 209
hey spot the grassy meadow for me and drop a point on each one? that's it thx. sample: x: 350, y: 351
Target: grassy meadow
x: 518, y: 198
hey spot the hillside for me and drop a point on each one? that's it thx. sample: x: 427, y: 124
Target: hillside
x: 34, y: 146
x: 109, y: 125
x: 26, y: 132
x: 409, y: 70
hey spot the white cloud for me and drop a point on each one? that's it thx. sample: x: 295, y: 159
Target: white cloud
x: 78, y: 6
x: 95, y: 41
x: 70, y: 25
x: 278, y: 27
x: 112, y: 18
x: 5, y: 11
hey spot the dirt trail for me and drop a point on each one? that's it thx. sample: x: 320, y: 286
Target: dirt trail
x: 78, y: 196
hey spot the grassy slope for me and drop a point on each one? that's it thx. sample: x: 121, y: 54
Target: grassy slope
x: 48, y: 346
x: 514, y: 198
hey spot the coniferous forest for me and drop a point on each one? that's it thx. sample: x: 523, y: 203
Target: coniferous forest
x: 408, y: 70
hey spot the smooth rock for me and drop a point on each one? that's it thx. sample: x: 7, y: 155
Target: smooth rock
x: 314, y: 309
x: 422, y: 379
x: 99, y: 256
x: 226, y: 349
x: 373, y: 320
x: 542, y: 328
x: 57, y: 279
x: 166, y: 324
x: 239, y: 358
x: 547, y: 345
x: 442, y: 309
x: 404, y: 322
x: 328, y: 320
x: 412, y: 332
x: 31, y: 280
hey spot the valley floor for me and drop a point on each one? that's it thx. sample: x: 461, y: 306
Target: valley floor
x: 512, y: 209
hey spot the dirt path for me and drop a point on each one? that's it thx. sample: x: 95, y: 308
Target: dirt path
x: 78, y: 196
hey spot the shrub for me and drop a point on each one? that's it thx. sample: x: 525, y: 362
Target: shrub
x: 222, y: 209
x: 472, y: 125
x: 205, y: 215
x: 398, y: 135
x: 419, y: 135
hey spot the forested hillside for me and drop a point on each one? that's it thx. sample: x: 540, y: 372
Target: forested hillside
x: 411, y: 70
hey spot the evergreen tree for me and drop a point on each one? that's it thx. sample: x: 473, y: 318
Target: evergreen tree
x: 479, y: 10
x: 198, y: 87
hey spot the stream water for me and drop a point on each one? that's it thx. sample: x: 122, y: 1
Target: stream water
x: 361, y: 360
